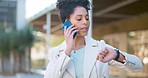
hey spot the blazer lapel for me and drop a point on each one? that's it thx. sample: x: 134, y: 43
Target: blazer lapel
x: 70, y: 69
x: 91, y: 52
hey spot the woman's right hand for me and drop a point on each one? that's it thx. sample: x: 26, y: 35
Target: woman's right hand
x: 68, y: 35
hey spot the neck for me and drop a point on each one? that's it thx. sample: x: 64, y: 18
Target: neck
x: 79, y: 42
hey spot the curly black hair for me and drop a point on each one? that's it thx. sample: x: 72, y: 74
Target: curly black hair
x: 66, y: 7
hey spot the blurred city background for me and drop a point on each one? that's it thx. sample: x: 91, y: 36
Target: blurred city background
x: 29, y: 28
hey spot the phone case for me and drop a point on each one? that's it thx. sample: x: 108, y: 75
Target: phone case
x: 67, y: 23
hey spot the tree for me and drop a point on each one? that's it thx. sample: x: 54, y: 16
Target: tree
x: 15, y: 44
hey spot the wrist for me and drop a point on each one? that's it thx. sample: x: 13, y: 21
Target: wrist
x: 118, y: 54
x: 68, y: 51
x: 119, y: 57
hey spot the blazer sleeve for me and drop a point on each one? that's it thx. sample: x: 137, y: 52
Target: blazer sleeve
x: 57, y: 65
x: 131, y: 62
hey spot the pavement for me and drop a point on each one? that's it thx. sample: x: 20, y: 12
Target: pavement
x: 22, y: 75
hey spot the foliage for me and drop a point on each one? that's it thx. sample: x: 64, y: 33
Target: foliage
x: 16, y: 39
x: 4, y: 41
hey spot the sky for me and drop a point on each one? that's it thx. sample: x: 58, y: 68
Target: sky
x: 34, y: 6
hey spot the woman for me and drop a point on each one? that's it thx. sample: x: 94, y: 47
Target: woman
x: 84, y: 57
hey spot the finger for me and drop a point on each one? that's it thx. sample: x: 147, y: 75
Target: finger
x: 69, y: 29
x: 73, y: 29
x: 101, y: 57
x: 106, y: 59
x: 97, y: 58
x: 65, y: 29
x: 103, y: 53
x: 104, y: 49
x: 73, y: 32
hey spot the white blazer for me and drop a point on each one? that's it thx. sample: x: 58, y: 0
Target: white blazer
x: 61, y: 66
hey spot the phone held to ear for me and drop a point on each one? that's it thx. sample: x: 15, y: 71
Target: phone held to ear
x: 67, y: 23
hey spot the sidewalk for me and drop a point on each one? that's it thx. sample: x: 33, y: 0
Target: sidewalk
x: 7, y: 77
x: 21, y: 75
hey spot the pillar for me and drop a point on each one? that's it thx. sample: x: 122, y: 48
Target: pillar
x: 91, y: 20
x: 21, y: 14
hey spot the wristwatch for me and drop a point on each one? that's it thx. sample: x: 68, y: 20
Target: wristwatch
x: 118, y: 54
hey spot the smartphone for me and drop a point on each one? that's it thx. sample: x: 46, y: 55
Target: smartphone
x: 67, y: 23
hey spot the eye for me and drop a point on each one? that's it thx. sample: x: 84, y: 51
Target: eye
x: 87, y: 18
x: 79, y: 19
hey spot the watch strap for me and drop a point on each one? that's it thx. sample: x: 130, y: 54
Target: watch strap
x: 118, y: 54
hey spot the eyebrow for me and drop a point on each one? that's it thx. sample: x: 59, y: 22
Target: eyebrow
x: 81, y: 15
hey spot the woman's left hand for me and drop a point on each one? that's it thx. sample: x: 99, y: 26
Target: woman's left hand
x: 106, y: 55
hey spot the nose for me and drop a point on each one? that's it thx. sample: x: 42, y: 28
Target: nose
x: 85, y: 21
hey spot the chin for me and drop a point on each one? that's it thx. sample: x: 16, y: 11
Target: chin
x: 85, y: 34
x: 82, y: 34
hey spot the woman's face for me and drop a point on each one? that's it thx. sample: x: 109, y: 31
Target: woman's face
x: 80, y: 19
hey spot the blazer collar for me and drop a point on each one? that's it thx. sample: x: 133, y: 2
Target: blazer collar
x: 89, y: 42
